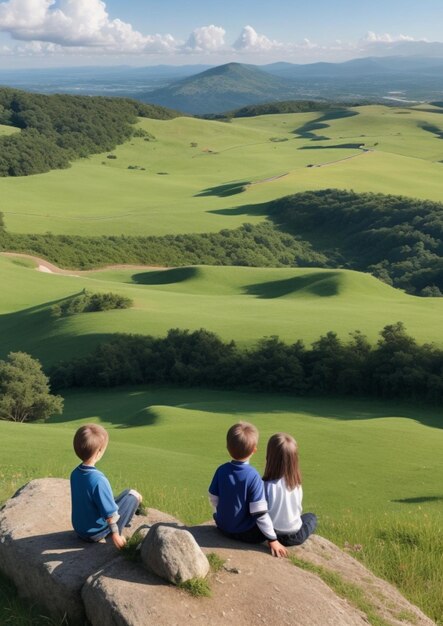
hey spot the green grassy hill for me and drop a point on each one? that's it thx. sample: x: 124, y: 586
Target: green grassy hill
x: 197, y: 172
x: 371, y: 471
x: 244, y: 304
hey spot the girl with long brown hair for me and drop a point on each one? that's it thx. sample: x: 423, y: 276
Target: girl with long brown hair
x: 284, y: 493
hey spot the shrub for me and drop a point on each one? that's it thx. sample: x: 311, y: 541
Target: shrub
x: 24, y: 390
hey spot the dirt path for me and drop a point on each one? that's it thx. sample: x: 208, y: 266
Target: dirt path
x: 268, y: 180
x: 354, y: 156
x: 42, y: 265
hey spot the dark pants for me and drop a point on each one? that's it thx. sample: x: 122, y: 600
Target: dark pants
x: 127, y: 506
x: 253, y: 535
x: 309, y: 524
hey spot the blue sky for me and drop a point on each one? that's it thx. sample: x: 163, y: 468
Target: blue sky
x: 285, y: 19
x: 81, y: 32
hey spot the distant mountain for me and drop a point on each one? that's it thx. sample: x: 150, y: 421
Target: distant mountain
x: 222, y: 88
x: 358, y: 68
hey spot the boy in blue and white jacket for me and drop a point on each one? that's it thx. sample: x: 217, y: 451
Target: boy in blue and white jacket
x: 237, y: 494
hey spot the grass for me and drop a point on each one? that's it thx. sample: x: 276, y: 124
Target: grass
x: 196, y: 587
x: 237, y: 303
x: 353, y: 593
x: 101, y: 196
x: 371, y: 470
x: 131, y: 550
x: 216, y: 563
x: 7, y: 130
x: 15, y: 611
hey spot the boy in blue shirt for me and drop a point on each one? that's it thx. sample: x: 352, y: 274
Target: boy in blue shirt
x: 95, y: 513
x: 237, y: 493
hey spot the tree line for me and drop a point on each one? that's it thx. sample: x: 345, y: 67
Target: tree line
x: 56, y: 129
x: 260, y: 245
x: 396, y: 367
x: 283, y: 106
x: 397, y: 239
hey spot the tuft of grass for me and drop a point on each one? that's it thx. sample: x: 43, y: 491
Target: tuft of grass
x: 131, y: 550
x: 216, y: 563
x: 354, y: 594
x: 142, y: 510
x: 196, y: 587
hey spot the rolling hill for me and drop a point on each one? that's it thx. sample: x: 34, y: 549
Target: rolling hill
x: 202, y: 176
x: 244, y: 304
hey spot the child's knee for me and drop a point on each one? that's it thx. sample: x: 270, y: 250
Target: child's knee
x: 135, y: 493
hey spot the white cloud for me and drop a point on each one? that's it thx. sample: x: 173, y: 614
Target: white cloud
x: 374, y: 38
x: 251, y: 41
x: 206, y: 39
x: 76, y: 23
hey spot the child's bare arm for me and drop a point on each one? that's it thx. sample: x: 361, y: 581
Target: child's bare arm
x: 118, y: 540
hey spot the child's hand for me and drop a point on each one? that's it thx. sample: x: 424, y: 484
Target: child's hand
x: 277, y: 549
x: 119, y: 541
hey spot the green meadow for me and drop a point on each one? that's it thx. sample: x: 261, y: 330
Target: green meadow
x: 237, y: 303
x: 7, y: 130
x: 371, y: 470
x: 195, y: 171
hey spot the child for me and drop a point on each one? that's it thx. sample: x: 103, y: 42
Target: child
x: 237, y: 496
x: 95, y: 513
x: 284, y: 493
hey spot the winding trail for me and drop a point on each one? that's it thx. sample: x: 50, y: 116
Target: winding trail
x: 42, y: 265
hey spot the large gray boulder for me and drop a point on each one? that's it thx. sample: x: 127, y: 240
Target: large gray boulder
x: 173, y: 554
x: 40, y: 552
x: 43, y: 556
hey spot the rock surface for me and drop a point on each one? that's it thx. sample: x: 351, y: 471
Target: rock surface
x: 173, y: 554
x: 51, y: 566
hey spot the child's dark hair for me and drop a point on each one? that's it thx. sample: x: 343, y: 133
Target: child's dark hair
x: 89, y: 439
x: 282, y: 460
x: 241, y: 440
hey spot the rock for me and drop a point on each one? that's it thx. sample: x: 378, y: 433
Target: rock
x: 40, y: 552
x: 43, y: 556
x: 52, y: 567
x: 173, y: 554
x: 267, y: 591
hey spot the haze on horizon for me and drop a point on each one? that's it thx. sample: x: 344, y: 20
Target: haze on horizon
x: 54, y: 33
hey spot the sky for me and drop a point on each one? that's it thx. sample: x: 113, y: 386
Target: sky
x: 45, y: 33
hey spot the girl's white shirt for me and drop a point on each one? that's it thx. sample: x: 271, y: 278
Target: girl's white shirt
x: 285, y: 506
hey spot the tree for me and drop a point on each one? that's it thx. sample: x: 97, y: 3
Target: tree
x: 24, y: 390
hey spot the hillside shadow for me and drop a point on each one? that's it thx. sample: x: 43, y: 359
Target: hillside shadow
x: 419, y: 499
x: 431, y: 128
x: 126, y: 407
x: 308, y: 130
x: 123, y: 409
x: 165, y: 277
x: 256, y: 210
x: 345, y: 408
x: 223, y: 191
x: 347, y: 146
x: 317, y: 284
x: 36, y: 331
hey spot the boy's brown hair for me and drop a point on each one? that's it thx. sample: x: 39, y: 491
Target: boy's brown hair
x: 241, y: 440
x: 89, y: 439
